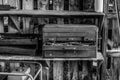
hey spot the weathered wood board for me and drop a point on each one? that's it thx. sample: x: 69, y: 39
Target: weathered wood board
x: 1, y: 25
x: 11, y: 26
x: 27, y: 5
x: 72, y: 70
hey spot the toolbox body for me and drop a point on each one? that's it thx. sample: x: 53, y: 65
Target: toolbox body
x: 70, y: 41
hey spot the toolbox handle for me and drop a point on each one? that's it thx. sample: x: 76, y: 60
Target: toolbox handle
x: 73, y: 48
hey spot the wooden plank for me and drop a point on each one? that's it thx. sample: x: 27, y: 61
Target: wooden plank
x: 1, y: 1
x: 115, y: 32
x: 74, y: 68
x: 88, y: 5
x: 16, y: 51
x: 115, y: 71
x: 16, y: 24
x: 50, y: 13
x: 72, y: 54
x: 74, y: 5
x: 13, y: 3
x: 5, y: 57
x: 1, y: 25
x: 71, y: 70
x: 5, y: 1
x: 58, y: 5
x: 2, y: 64
x: 43, y: 5
x: 45, y: 74
x: 27, y: 5
x: 84, y: 70
x: 16, y: 42
x: 57, y: 65
x: 80, y: 68
x: 51, y: 71
x: 57, y: 70
x: 14, y: 66
x: 11, y: 25
x: 104, y: 42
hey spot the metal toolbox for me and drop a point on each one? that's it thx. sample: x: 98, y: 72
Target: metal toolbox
x: 68, y: 40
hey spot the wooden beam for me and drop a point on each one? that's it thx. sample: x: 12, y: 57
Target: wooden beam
x: 16, y: 51
x: 16, y: 23
x: 16, y: 42
x: 19, y: 36
x: 49, y: 13
x: 38, y: 58
x: 1, y: 25
x: 104, y: 42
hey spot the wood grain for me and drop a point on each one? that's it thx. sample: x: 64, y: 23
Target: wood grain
x: 57, y: 70
x: 50, y: 13
x: 27, y: 5
x: 16, y: 51
x: 12, y: 26
x: 1, y: 25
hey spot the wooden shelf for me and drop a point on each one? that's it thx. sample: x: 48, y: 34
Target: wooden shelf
x: 49, y: 13
x: 29, y: 58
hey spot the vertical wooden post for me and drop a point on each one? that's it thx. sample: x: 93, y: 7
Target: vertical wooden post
x: 1, y: 1
x: 11, y: 27
x: 85, y: 70
x: 114, y: 33
x: 27, y: 5
x: 74, y: 6
x: 2, y: 64
x: 5, y: 1
x: 75, y: 70
x: 43, y: 5
x: 58, y: 5
x: 1, y: 31
x: 1, y: 25
x: 58, y: 70
x: 104, y: 42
